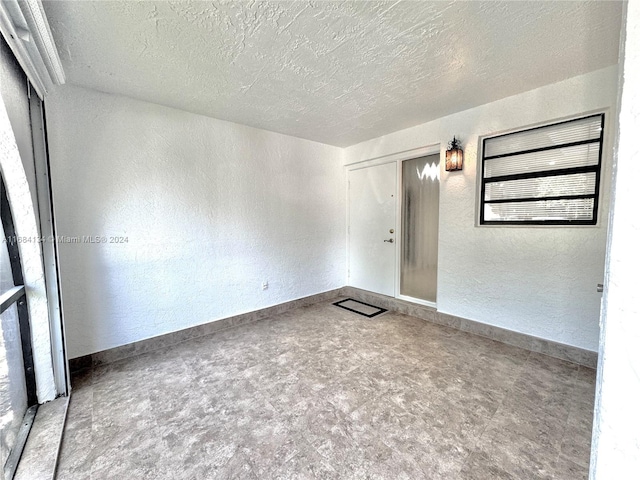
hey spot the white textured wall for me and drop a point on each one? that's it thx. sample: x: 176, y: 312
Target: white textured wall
x: 616, y: 432
x: 210, y: 209
x: 536, y: 280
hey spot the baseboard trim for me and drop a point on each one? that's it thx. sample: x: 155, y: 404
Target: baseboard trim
x: 148, y: 345
x: 430, y: 314
x: 517, y: 339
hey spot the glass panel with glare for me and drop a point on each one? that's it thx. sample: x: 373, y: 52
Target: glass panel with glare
x: 554, y: 186
x: 569, y: 157
x: 419, y: 249
x: 553, y: 135
x: 538, y: 211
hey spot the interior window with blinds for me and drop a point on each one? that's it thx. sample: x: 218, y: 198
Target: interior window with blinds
x: 546, y: 175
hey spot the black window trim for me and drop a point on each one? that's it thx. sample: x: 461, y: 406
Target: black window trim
x: 597, y: 169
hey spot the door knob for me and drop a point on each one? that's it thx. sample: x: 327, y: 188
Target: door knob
x: 390, y: 240
x: 600, y: 288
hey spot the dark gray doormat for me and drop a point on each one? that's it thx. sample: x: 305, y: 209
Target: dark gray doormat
x: 360, y: 308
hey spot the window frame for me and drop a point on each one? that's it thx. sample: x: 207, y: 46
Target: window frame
x: 597, y: 169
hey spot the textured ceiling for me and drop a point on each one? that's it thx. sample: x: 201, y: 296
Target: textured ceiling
x: 334, y: 72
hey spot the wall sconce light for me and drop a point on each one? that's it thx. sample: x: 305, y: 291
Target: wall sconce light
x: 454, y: 156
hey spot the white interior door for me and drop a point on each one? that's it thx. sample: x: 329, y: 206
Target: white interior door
x: 372, y: 226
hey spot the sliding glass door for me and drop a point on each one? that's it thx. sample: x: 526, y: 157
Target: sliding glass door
x: 18, y: 399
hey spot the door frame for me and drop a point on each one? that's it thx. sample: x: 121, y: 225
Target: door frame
x: 396, y: 158
x: 50, y: 259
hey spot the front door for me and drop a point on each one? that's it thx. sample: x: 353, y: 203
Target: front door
x: 372, y: 224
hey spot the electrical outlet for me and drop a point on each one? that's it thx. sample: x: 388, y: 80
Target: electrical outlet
x: 265, y: 285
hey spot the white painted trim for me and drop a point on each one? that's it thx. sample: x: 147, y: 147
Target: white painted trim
x: 395, y: 157
x: 347, y: 230
x: 398, y: 234
x: 49, y: 249
x: 39, y: 28
x: 26, y: 29
x: 368, y: 164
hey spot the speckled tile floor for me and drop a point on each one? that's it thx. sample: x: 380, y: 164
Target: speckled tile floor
x: 320, y: 392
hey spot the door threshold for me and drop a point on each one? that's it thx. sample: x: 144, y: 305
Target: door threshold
x: 419, y: 301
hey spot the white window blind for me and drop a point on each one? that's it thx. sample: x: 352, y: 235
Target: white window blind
x: 543, y: 175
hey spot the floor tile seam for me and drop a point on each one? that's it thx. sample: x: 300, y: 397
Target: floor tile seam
x: 93, y: 416
x: 266, y: 399
x: 547, y: 394
x: 566, y: 458
x: 364, y: 361
x: 332, y: 383
x: 309, y: 445
x: 91, y: 457
x: 408, y: 454
x: 467, y: 456
x: 413, y: 382
x: 403, y: 450
x: 401, y: 407
x: 284, y: 373
x: 400, y: 351
x: 407, y: 358
x: 236, y: 451
x: 514, y: 380
x: 564, y: 418
x: 555, y: 446
x: 577, y: 381
x: 490, y: 456
x: 63, y: 454
x: 339, y: 376
x: 545, y: 457
x: 379, y: 394
x: 78, y: 416
x: 548, y: 378
x: 473, y: 448
x: 151, y: 417
x: 388, y: 389
x: 493, y: 416
x: 538, y: 409
x: 575, y: 405
x: 115, y: 394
